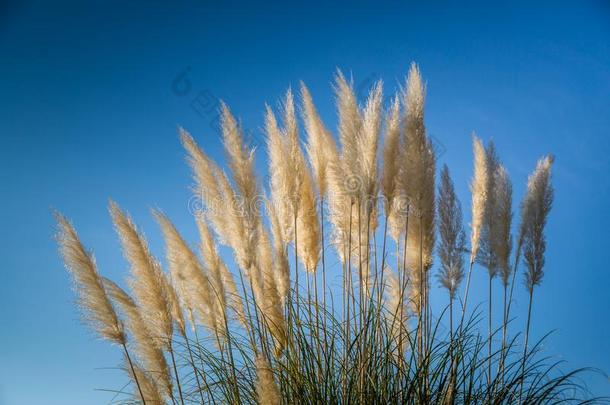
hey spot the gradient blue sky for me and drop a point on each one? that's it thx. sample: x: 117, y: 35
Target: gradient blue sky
x: 91, y: 94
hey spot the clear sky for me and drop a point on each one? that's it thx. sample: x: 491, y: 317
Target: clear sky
x: 91, y: 94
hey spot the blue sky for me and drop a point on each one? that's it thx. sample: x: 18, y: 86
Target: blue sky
x: 91, y: 94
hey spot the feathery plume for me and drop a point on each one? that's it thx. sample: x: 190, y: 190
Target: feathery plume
x: 320, y: 144
x: 368, y: 142
x: 489, y: 240
x: 267, y: 294
x: 148, y: 353
x: 339, y: 206
x: 503, y: 242
x: 240, y: 239
x: 266, y: 388
x: 308, y: 227
x: 147, y: 282
x: 234, y: 300
x: 222, y: 281
x: 215, y: 190
x: 282, y: 182
x: 188, y: 274
x: 208, y: 189
x: 214, y: 264
x: 417, y: 183
x: 294, y: 184
x: 350, y: 124
x: 534, y: 212
x: 241, y: 162
x: 391, y: 154
x: 452, y: 237
x: 92, y: 299
x: 281, y: 265
x: 478, y: 188
x: 176, y: 308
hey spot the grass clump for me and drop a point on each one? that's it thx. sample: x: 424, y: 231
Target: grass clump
x: 316, y: 290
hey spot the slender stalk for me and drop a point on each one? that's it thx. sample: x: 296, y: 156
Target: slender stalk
x: 317, y: 312
x: 360, y: 303
x: 507, y: 307
x: 402, y: 281
x: 382, y: 270
x: 451, y: 328
x: 345, y: 310
x: 347, y: 277
x: 466, y: 294
x: 379, y: 280
x: 195, y: 371
x: 230, y: 351
x: 323, y: 269
x: 133, y: 371
x: 171, y: 352
x: 527, y: 333
x: 490, y: 332
x: 452, y: 374
x: 296, y: 262
x: 504, y: 321
x: 422, y: 292
x: 361, y: 292
x: 423, y: 305
x: 249, y: 330
x: 512, y: 286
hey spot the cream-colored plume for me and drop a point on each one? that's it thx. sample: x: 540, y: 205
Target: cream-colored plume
x: 267, y: 294
x: 241, y: 162
x: 208, y: 190
x: 294, y: 184
x: 147, y: 281
x: 226, y: 209
x: 534, y: 212
x: 213, y: 263
x: 188, y: 274
x: 368, y: 144
x: 350, y: 126
x: 246, y: 193
x: 417, y: 182
x: 223, y: 285
x: 490, y: 229
x: 92, y: 299
x: 503, y: 242
x: 391, y: 154
x: 176, y: 308
x: 281, y: 265
x: 321, y: 147
x: 149, y: 355
x: 267, y: 391
x: 478, y: 189
x: 282, y: 182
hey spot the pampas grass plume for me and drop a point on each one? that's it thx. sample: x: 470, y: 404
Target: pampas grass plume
x: 92, y: 298
x: 266, y: 388
x: 478, y: 188
x: 147, y: 282
x: 534, y: 213
x: 157, y: 370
